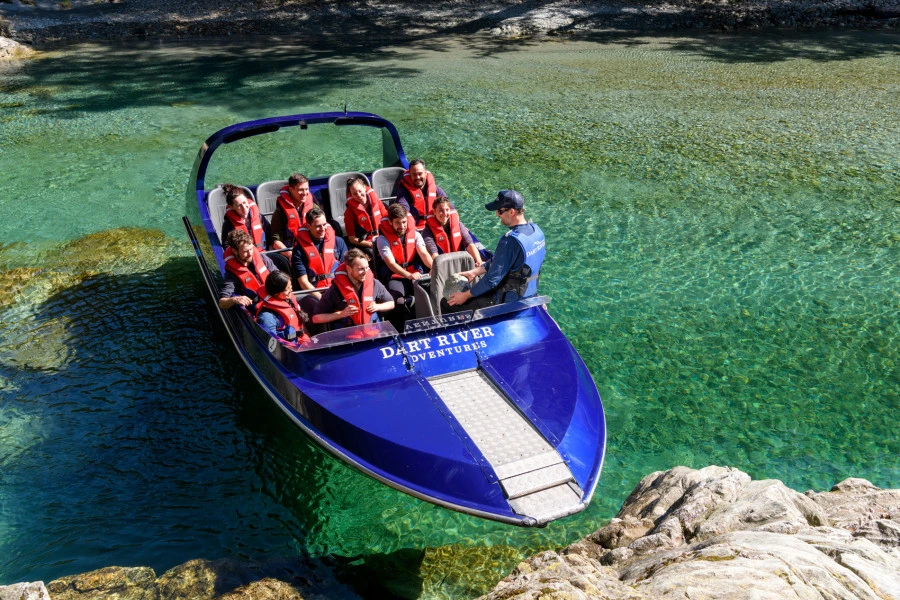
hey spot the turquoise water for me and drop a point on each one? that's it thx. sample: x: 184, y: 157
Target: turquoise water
x: 724, y: 225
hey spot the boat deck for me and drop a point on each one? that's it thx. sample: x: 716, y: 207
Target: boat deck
x: 536, y: 480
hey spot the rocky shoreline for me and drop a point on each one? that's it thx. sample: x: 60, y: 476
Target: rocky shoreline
x: 45, y: 22
x: 682, y: 533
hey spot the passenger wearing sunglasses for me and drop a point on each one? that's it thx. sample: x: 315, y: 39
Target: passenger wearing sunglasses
x: 512, y: 274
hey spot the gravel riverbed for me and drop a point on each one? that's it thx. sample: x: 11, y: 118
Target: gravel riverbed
x: 41, y: 22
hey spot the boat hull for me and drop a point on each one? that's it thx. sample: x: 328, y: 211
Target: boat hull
x: 373, y: 398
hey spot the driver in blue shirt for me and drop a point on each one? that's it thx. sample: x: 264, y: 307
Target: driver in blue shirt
x: 512, y: 274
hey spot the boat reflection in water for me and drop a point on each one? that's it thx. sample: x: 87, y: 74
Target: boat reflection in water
x: 491, y: 413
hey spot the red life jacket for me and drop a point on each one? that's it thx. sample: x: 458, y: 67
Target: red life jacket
x: 319, y: 264
x: 451, y: 243
x: 404, y: 250
x: 256, y: 223
x: 345, y: 287
x: 255, y: 282
x: 289, y: 311
x: 422, y: 202
x: 294, y: 217
x: 359, y: 214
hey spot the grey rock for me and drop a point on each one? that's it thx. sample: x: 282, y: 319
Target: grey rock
x: 659, y: 493
x: 621, y: 532
x: 746, y: 565
x: 882, y: 532
x: 766, y: 505
x: 11, y: 49
x: 853, y: 503
x: 714, y: 533
x: 24, y: 591
x: 567, y: 577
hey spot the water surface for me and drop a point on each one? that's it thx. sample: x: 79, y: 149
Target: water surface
x: 724, y: 234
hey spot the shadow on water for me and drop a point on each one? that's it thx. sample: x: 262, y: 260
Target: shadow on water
x: 783, y: 46
x: 205, y: 72
x: 296, y: 70
x: 132, y: 434
x: 137, y: 443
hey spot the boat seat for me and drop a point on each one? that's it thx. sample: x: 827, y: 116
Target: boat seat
x: 215, y: 202
x: 444, y: 267
x: 385, y: 182
x: 267, y: 196
x: 337, y: 194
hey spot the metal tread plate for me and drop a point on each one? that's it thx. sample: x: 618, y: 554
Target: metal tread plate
x: 531, y: 463
x: 547, y: 505
x: 498, y: 429
x: 535, y: 481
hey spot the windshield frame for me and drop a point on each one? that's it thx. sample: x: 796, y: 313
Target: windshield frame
x: 392, y: 149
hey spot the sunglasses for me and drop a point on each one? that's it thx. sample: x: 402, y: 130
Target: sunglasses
x: 501, y: 211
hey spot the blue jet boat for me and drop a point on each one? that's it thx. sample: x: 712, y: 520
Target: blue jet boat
x: 491, y: 413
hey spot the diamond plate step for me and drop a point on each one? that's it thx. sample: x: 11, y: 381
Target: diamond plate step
x: 552, y: 503
x: 535, y: 481
x: 534, y: 477
x: 525, y: 465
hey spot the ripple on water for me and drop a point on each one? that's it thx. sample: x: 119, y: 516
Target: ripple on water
x: 721, y: 219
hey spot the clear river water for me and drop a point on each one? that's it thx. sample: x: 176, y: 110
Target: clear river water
x: 723, y: 217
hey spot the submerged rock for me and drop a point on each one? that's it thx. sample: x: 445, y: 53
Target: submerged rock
x: 68, y: 263
x: 200, y: 579
x: 715, y: 533
x: 133, y: 583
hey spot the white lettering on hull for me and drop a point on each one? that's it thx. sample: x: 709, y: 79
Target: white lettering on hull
x: 444, y: 345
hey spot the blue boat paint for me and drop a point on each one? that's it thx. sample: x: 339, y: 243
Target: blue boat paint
x: 368, y: 401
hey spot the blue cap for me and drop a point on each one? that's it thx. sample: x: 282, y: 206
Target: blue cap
x: 506, y: 199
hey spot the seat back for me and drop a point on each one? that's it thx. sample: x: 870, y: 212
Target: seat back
x: 385, y: 182
x: 337, y: 194
x: 267, y: 196
x: 215, y: 202
x: 444, y: 267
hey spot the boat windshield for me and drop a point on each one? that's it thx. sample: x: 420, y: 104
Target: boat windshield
x: 350, y: 335
x: 320, y: 150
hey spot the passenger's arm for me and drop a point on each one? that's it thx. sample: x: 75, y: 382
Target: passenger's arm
x: 474, y: 253
x: 508, y: 253
x: 326, y: 311
x: 382, y: 307
x: 329, y: 317
x: 423, y: 252
x: 228, y: 295
x: 226, y: 303
x: 473, y: 273
x: 303, y: 280
x: 350, y: 229
x: 383, y: 300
